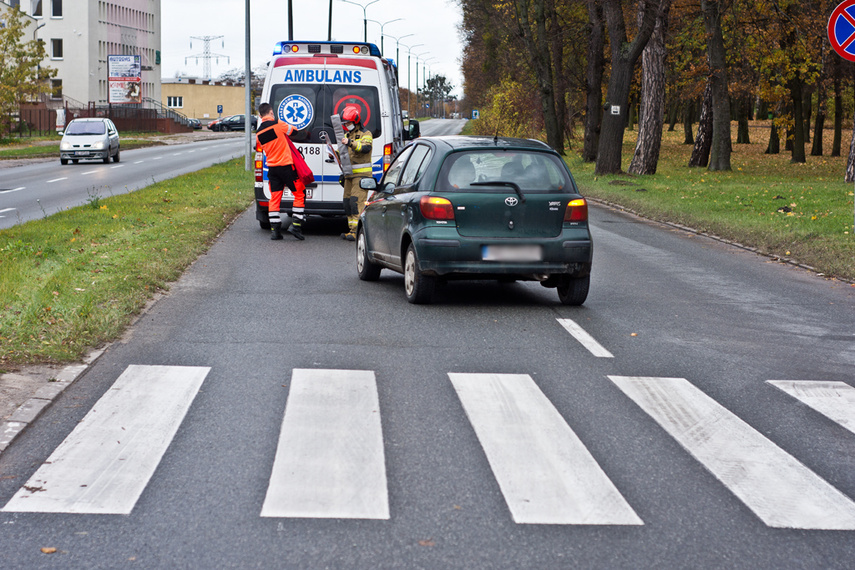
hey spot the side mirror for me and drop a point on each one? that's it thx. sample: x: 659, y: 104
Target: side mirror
x: 414, y: 131
x: 368, y: 183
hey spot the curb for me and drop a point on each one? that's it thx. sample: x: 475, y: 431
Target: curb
x: 773, y: 257
x: 30, y: 410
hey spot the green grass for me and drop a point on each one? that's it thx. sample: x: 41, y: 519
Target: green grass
x: 802, y: 212
x: 76, y: 280
x: 51, y: 150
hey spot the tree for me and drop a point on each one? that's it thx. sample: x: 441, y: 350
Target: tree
x: 22, y: 78
x: 594, y: 80
x: 720, y: 148
x: 625, y: 55
x: 646, y: 156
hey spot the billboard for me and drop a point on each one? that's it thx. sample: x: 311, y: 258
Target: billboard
x: 124, y: 79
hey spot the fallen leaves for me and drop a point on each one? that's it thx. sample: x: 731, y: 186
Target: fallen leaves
x: 48, y: 550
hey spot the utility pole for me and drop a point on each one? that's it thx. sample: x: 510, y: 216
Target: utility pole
x: 206, y: 54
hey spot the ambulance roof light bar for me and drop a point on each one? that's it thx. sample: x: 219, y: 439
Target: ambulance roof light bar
x: 344, y: 48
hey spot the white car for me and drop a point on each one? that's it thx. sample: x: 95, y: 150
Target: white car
x: 88, y: 139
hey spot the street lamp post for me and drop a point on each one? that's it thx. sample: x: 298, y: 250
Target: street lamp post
x: 398, y: 52
x: 424, y: 82
x: 418, y: 105
x: 364, y: 16
x: 409, y: 51
x: 382, y: 25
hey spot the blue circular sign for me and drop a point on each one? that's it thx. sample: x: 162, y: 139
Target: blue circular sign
x: 297, y: 111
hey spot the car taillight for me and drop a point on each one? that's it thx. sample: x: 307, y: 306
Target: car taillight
x: 434, y: 208
x: 387, y: 157
x: 259, y: 163
x: 577, y: 211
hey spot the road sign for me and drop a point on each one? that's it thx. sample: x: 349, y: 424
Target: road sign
x: 841, y: 30
x: 219, y: 108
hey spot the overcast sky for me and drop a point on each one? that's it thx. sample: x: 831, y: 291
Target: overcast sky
x: 433, y: 23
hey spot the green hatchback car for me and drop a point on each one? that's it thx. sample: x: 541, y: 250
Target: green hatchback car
x: 466, y: 207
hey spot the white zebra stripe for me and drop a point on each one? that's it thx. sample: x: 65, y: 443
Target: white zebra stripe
x: 834, y: 400
x: 773, y: 484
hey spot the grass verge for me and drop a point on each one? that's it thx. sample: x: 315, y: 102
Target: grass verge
x: 75, y: 280
x: 800, y: 212
x: 51, y: 150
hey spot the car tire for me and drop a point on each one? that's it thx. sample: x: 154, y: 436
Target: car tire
x: 418, y: 286
x: 116, y: 156
x: 74, y: 161
x: 63, y: 161
x: 264, y: 225
x: 106, y: 158
x: 367, y: 270
x: 574, y: 290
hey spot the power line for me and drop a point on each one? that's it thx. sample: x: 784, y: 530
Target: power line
x: 206, y: 54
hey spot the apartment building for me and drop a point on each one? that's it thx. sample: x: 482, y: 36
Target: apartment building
x: 79, y: 36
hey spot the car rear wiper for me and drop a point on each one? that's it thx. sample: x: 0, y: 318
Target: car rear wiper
x: 513, y: 185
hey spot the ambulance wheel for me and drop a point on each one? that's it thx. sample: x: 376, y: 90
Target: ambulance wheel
x: 265, y: 225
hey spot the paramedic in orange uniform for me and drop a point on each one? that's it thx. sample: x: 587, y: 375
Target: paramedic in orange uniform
x: 271, y: 135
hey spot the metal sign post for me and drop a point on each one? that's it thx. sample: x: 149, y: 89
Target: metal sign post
x: 841, y: 34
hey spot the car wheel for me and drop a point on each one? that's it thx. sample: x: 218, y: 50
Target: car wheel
x: 368, y: 271
x: 116, y: 156
x: 74, y: 161
x: 574, y: 290
x: 63, y: 161
x: 418, y: 286
x: 264, y: 225
x: 106, y: 158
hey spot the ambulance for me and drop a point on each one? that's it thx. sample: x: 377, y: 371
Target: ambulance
x: 307, y: 83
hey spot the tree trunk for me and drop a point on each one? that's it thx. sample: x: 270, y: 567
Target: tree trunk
x: 720, y: 148
x: 819, y: 123
x: 838, y: 108
x: 688, y: 116
x: 774, y: 141
x: 850, y: 162
x: 795, y: 86
x: 674, y: 114
x: 743, y: 112
x: 649, y: 142
x: 703, y: 142
x: 624, y: 57
x: 594, y: 81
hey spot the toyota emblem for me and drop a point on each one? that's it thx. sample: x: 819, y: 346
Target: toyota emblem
x: 511, y: 201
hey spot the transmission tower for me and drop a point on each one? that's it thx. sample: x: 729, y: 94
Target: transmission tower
x: 206, y: 54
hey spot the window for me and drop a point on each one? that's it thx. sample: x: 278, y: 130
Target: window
x: 56, y: 48
x: 37, y: 8
x: 416, y: 166
x: 56, y: 9
x: 56, y: 88
x: 175, y: 102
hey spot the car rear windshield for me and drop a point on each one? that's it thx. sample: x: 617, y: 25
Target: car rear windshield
x: 86, y: 128
x: 531, y: 171
x: 326, y: 100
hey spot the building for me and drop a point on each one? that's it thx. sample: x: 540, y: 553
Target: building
x: 80, y: 34
x: 29, y: 22
x: 201, y: 99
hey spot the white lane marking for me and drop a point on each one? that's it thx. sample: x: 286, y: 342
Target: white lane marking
x: 117, y: 166
x: 103, y: 466
x: 7, y: 210
x: 834, y: 400
x: 18, y: 189
x: 773, y: 484
x: 546, y: 473
x: 139, y: 162
x: 157, y: 158
x: 330, y: 461
x: 89, y: 172
x: 57, y: 179
x: 586, y: 339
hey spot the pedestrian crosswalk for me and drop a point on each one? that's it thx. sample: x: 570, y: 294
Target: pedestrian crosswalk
x: 330, y: 459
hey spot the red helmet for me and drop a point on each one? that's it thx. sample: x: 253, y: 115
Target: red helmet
x: 350, y: 114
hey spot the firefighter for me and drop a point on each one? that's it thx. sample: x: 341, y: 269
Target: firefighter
x: 358, y: 141
x: 280, y: 172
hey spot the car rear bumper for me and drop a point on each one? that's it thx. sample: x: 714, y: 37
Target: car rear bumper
x: 570, y: 253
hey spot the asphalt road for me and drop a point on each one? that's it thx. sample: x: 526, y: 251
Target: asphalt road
x: 42, y: 188
x: 495, y: 428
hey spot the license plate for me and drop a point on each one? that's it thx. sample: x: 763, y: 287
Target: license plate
x: 511, y: 253
x: 309, y: 193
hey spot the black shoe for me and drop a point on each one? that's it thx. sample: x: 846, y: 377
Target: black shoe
x: 276, y: 231
x: 296, y: 231
x: 350, y: 237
